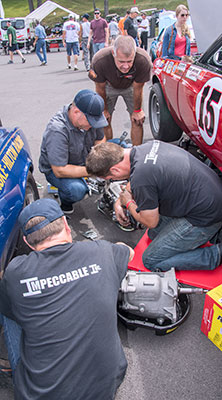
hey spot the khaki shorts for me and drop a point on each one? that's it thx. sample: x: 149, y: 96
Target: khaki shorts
x: 112, y: 95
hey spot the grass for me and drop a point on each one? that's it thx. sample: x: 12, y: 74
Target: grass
x: 19, y: 8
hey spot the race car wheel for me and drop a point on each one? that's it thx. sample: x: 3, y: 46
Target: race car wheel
x: 162, y: 124
x: 31, y: 194
x: 31, y: 191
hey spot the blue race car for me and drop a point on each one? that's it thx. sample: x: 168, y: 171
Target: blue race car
x: 17, y: 189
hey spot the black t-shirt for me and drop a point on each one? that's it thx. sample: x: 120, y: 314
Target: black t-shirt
x: 166, y: 176
x: 130, y: 27
x: 64, y: 298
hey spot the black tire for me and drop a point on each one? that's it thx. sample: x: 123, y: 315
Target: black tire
x: 31, y: 194
x: 162, y: 124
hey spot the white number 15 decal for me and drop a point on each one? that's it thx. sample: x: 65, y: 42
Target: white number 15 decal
x: 208, y: 107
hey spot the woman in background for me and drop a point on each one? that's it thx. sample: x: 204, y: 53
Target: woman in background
x: 176, y: 41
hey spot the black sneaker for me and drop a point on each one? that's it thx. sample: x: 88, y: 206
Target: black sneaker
x: 23, y: 60
x: 67, y: 208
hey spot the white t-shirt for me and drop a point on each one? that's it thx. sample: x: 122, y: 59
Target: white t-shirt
x: 85, y: 29
x: 71, y: 28
x: 145, y: 24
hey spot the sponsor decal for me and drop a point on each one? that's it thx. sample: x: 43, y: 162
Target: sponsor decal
x: 181, y: 68
x: 8, y: 160
x: 165, y: 66
x: 174, y: 68
x: 208, y: 109
x: 193, y: 73
x: 169, y: 67
x: 159, y: 63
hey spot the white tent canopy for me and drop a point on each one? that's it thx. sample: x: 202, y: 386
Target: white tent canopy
x: 47, y: 8
x: 2, y: 13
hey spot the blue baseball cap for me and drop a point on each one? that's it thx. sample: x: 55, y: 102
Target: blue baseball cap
x: 47, y: 208
x: 92, y: 105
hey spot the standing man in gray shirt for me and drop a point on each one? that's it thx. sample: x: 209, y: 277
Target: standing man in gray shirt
x: 67, y: 140
x: 83, y: 39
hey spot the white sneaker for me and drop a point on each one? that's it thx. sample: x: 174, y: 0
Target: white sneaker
x: 75, y: 68
x: 69, y: 66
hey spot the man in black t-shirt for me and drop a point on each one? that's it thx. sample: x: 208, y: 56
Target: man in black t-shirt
x: 122, y: 71
x: 172, y: 193
x: 67, y: 140
x: 130, y: 28
x: 63, y: 295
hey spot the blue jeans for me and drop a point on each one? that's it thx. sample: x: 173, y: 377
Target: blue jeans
x: 72, y: 47
x: 97, y: 47
x: 12, y: 335
x: 70, y: 190
x: 41, y: 44
x: 175, y: 244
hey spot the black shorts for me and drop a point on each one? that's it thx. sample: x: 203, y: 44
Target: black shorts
x: 13, y: 47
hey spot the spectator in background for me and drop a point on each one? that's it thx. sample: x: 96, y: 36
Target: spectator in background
x: 12, y: 43
x: 99, y: 32
x: 122, y: 70
x: 70, y: 38
x: 143, y: 29
x: 121, y: 22
x: 40, y: 43
x: 83, y: 39
x: 176, y: 41
x: 130, y: 25
x: 113, y: 30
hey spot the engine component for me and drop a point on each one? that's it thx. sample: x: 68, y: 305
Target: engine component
x: 153, y: 300
x: 111, y: 192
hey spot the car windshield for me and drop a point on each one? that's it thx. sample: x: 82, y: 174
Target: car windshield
x: 4, y: 25
x: 18, y: 24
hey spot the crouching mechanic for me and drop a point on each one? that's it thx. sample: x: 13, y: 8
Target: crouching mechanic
x: 63, y: 295
x: 122, y: 70
x: 172, y: 193
x: 67, y: 140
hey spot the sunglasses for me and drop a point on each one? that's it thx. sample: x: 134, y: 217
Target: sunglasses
x: 96, y: 13
x: 184, y: 15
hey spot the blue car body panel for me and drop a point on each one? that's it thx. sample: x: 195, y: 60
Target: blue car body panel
x: 15, y: 162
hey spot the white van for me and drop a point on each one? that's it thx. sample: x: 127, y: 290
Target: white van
x: 25, y: 31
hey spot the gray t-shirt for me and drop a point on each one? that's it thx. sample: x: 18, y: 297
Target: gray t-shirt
x: 65, y: 298
x: 166, y: 176
x: 64, y: 144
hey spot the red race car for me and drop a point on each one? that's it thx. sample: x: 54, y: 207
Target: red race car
x: 187, y: 97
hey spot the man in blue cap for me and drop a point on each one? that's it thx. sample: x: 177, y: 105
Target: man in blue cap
x: 67, y: 140
x: 60, y: 296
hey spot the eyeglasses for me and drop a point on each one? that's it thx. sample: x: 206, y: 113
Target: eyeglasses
x: 184, y: 15
x: 96, y: 13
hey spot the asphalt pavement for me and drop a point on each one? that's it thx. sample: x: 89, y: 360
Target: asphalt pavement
x: 183, y: 365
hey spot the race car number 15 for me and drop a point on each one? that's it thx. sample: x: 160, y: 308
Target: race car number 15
x: 208, y: 108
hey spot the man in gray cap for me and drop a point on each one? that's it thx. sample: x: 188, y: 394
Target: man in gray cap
x: 83, y: 39
x: 60, y: 296
x: 130, y: 25
x: 67, y: 140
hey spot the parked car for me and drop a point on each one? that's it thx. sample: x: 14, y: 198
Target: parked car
x: 25, y: 31
x: 187, y: 97
x: 17, y: 189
